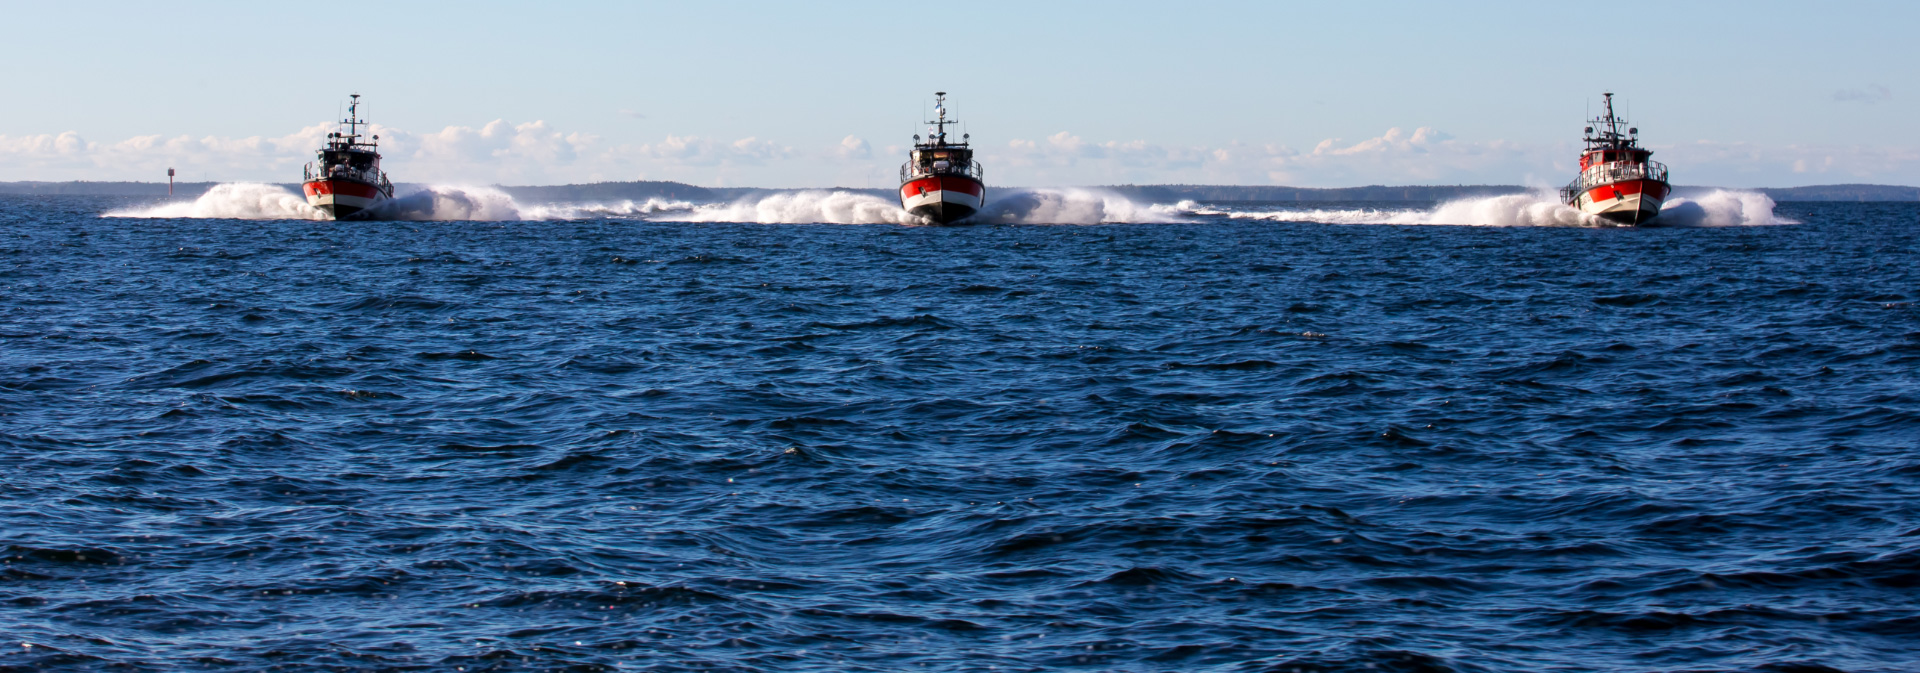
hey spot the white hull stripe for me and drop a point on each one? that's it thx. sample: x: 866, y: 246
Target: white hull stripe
x: 1623, y: 204
x: 946, y: 196
x: 318, y: 200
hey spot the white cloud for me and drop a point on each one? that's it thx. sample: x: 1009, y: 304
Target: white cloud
x: 854, y: 147
x: 1748, y: 164
x: 697, y: 151
x: 1423, y: 155
x: 499, y: 151
x: 1871, y: 94
x: 536, y: 153
x: 68, y: 156
x: 511, y: 151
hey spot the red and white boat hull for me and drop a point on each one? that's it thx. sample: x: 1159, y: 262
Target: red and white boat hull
x: 343, y: 199
x: 943, y: 198
x: 1627, y: 202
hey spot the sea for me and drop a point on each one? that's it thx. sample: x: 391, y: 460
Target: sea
x: 798, y: 432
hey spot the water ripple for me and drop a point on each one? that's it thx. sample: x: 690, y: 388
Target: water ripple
x: 1226, y: 443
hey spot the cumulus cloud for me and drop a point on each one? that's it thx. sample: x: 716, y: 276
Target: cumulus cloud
x: 498, y: 142
x: 1425, y: 155
x: 854, y: 147
x: 69, y: 156
x: 1422, y: 155
x: 1395, y: 140
x: 1749, y: 164
x: 499, y: 151
x: 1871, y: 94
x: 537, y: 153
x: 697, y: 151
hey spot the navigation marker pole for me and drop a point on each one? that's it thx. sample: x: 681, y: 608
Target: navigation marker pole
x: 169, y: 183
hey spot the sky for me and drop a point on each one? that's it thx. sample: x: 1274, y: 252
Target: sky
x: 781, y: 94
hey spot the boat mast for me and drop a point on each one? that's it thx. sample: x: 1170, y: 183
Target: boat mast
x: 353, y: 119
x: 1608, y: 135
x: 940, y: 123
x: 1613, y: 125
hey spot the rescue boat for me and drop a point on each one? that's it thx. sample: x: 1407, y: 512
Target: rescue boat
x: 347, y: 182
x: 940, y: 181
x: 1618, y: 182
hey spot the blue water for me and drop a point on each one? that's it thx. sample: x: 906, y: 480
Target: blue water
x: 1211, y: 444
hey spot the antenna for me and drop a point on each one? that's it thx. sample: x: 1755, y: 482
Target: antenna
x: 938, y: 133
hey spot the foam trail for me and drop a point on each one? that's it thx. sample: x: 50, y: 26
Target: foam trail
x: 1721, y: 208
x: 239, y: 201
x: 1537, y: 209
x: 806, y: 207
x: 451, y: 203
x: 1074, y: 206
x: 487, y: 204
x: 623, y: 209
x: 1038, y: 206
x: 444, y: 202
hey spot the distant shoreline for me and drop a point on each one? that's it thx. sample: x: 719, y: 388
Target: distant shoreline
x: 642, y: 190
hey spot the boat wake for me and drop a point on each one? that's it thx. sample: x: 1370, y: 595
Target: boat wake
x: 626, y: 209
x: 807, y: 207
x: 256, y: 201
x: 483, y: 204
x: 1538, y: 209
x: 1721, y: 208
x: 235, y: 201
x: 1076, y: 206
x: 1027, y: 206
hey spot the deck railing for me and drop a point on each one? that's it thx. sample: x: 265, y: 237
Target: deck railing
x: 375, y: 178
x: 909, y: 171
x: 1609, y: 173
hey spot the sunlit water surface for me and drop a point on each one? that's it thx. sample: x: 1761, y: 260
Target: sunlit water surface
x: 1211, y: 443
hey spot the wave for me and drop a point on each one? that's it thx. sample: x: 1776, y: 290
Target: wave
x: 589, y: 211
x: 488, y: 204
x: 1024, y: 206
x: 237, y: 201
x: 484, y: 204
x: 256, y: 201
x: 1536, y: 209
x: 259, y: 201
x: 804, y: 207
x: 1076, y: 206
x: 1721, y: 208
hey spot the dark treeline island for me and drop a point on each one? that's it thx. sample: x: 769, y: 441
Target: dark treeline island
x: 642, y: 190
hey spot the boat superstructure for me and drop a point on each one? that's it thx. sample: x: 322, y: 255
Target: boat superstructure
x: 940, y: 181
x: 1618, y: 182
x: 346, y: 182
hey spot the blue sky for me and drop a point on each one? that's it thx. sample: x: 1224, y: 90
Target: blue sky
x: 1058, y: 93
